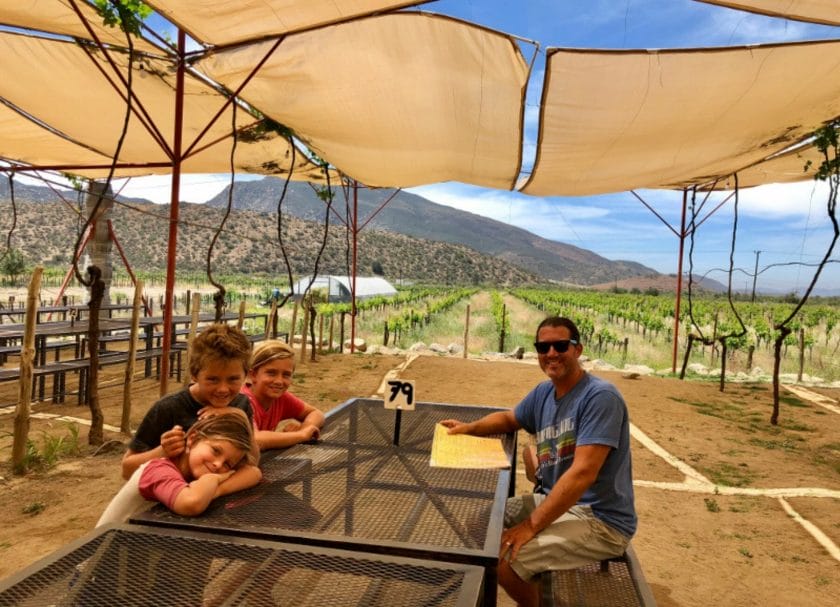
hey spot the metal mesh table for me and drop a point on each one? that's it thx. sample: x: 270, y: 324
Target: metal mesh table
x: 133, y: 565
x: 355, y: 489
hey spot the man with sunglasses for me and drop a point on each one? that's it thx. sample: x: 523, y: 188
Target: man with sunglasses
x: 583, y: 510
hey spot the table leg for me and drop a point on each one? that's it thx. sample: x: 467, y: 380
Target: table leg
x: 491, y: 583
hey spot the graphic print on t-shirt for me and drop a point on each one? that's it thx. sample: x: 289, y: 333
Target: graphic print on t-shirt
x: 556, y: 444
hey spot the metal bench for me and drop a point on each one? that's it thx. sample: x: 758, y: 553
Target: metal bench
x: 618, y: 582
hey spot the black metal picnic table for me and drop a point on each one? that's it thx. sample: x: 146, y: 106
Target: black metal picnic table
x: 356, y: 490
x: 137, y: 565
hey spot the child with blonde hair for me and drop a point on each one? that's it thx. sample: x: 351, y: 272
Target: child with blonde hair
x: 215, y: 448
x: 218, y: 365
x: 281, y: 419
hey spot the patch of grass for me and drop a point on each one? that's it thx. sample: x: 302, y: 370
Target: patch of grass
x: 741, y: 506
x: 827, y: 457
x: 52, y: 449
x: 821, y: 580
x: 730, y: 476
x: 793, y: 401
x: 685, y: 545
x: 784, y: 445
x: 711, y: 504
x: 798, y: 559
x: 34, y: 508
x: 745, y: 552
x: 5, y: 545
x: 790, y: 425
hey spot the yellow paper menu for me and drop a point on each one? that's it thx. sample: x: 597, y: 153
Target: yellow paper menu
x: 465, y: 451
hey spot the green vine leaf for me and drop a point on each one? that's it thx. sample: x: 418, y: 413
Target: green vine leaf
x: 128, y: 15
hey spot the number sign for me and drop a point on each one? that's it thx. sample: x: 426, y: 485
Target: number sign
x: 400, y: 395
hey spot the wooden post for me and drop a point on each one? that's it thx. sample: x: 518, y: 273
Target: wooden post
x: 196, y: 310
x: 502, y: 329
x: 341, y: 340
x: 27, y: 354
x: 271, y: 323
x: 125, y: 422
x: 321, y: 334
x: 241, y: 321
x: 97, y: 293
x: 467, y: 332
x: 304, y: 334
x: 714, y: 336
x: 188, y: 301
x: 292, y: 327
x: 332, y: 324
x: 801, y: 353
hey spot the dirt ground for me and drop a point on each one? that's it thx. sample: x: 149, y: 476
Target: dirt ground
x: 708, y: 534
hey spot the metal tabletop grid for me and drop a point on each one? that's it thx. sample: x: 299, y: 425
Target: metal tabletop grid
x: 356, y: 489
x: 130, y: 565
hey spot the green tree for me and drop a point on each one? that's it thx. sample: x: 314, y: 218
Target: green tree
x: 13, y: 265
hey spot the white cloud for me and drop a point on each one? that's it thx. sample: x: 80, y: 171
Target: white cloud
x: 777, y: 201
x: 732, y: 27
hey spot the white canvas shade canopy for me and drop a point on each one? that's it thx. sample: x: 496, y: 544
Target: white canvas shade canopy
x: 613, y: 121
x: 44, y: 77
x: 394, y: 100
x: 223, y: 23
x: 813, y: 11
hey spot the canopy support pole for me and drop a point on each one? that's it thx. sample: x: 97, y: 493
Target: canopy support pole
x: 679, y: 285
x: 355, y: 228
x: 681, y: 234
x: 173, y: 217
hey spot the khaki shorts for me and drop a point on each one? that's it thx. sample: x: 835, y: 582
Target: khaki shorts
x: 572, y: 541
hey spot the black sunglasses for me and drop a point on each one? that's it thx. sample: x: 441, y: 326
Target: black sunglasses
x: 560, y: 346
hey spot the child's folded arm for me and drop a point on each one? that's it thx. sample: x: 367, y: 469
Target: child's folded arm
x: 194, y: 498
x: 244, y: 477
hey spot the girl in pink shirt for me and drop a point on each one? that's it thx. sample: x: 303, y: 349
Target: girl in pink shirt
x: 281, y: 419
x: 216, y: 447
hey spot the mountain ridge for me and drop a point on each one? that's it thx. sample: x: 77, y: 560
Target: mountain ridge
x: 418, y: 217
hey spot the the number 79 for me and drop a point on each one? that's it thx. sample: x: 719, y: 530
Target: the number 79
x: 406, y: 388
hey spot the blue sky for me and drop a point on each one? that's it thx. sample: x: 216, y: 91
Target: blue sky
x: 785, y: 223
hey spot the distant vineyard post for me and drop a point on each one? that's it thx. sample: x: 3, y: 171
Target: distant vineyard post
x: 467, y: 332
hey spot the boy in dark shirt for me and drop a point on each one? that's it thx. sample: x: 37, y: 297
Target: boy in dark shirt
x: 219, y: 361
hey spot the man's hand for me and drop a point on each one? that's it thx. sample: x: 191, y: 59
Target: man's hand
x: 514, y: 538
x: 456, y: 427
x: 173, y: 442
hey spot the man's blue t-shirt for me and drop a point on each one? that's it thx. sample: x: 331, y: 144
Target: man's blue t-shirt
x: 591, y: 413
